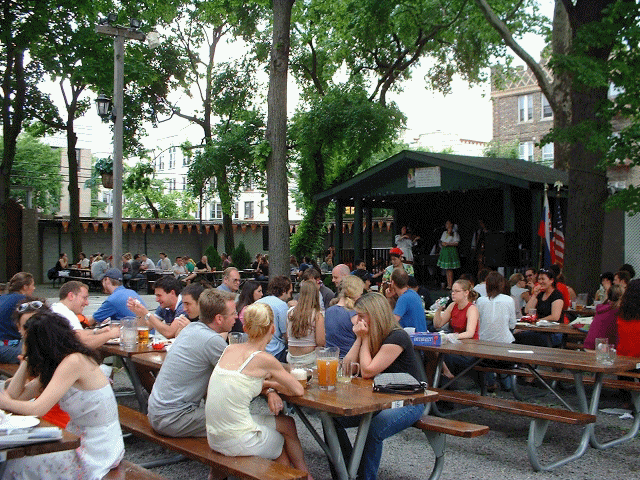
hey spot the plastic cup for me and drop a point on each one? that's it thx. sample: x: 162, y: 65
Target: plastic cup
x: 327, y: 362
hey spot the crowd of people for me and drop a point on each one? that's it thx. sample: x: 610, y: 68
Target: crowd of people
x: 205, y: 385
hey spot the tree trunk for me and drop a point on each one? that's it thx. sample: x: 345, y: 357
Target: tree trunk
x: 561, y: 45
x: 277, y: 187
x: 13, y: 98
x: 74, y: 190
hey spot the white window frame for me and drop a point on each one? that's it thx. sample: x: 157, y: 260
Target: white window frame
x: 248, y: 210
x: 545, y: 107
x: 547, y: 153
x: 525, y: 108
x: 216, y: 211
x: 525, y: 151
x: 236, y: 211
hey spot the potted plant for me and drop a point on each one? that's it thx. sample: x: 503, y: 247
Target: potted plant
x: 104, y: 167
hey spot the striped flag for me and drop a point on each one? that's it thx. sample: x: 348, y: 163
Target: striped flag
x: 557, y: 242
x: 544, y: 231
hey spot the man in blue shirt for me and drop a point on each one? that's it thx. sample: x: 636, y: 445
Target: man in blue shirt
x: 278, y: 294
x: 169, y: 317
x: 115, y: 306
x: 409, y: 311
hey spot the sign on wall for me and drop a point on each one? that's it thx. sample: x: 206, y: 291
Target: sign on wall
x: 423, y: 177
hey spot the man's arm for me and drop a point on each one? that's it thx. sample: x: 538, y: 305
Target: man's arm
x: 97, y: 337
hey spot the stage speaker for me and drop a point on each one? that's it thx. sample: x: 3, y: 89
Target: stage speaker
x: 501, y: 250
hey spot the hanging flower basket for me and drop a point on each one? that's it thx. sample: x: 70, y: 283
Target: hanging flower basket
x: 107, y: 180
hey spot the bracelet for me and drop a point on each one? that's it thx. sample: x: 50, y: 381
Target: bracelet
x: 147, y: 316
x: 270, y: 390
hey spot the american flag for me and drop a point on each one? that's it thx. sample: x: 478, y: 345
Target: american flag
x: 557, y: 242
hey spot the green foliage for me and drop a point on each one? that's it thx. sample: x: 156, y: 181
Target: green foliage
x: 36, y: 165
x: 214, y: 257
x: 104, y: 165
x: 241, y: 257
x: 496, y: 149
x: 627, y: 200
x: 142, y: 203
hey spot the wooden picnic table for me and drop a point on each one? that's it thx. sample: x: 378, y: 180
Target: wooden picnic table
x: 531, y: 357
x: 126, y: 355
x: 69, y: 441
x: 561, y: 328
x: 355, y: 398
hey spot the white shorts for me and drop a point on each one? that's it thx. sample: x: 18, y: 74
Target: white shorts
x: 265, y: 442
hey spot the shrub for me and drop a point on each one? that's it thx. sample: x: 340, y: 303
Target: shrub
x: 214, y: 257
x: 241, y: 257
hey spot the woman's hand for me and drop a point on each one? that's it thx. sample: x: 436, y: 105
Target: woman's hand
x: 361, y: 329
x: 274, y: 401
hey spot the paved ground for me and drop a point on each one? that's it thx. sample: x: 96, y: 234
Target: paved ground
x: 501, y: 454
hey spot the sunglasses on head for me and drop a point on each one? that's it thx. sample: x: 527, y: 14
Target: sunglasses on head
x: 34, y: 305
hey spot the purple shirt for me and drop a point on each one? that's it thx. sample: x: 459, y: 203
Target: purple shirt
x: 604, y: 325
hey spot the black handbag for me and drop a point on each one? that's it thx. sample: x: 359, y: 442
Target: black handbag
x: 403, y: 383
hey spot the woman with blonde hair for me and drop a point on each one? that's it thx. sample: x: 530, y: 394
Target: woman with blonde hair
x: 241, y: 375
x: 382, y: 346
x: 341, y: 317
x: 305, y: 326
x: 462, y: 316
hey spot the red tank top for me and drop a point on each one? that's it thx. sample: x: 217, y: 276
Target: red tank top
x: 458, y: 320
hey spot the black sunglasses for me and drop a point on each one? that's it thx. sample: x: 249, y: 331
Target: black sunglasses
x: 34, y: 305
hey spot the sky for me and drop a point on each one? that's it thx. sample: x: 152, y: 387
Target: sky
x: 466, y: 111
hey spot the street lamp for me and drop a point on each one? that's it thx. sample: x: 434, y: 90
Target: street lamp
x: 103, y: 105
x: 119, y: 33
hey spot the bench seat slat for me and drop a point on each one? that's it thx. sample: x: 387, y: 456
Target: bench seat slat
x: 198, y: 449
x: 450, y: 426
x: 130, y: 471
x: 517, y: 408
x: 8, y: 369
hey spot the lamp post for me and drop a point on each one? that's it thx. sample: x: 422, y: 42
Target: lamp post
x: 119, y: 35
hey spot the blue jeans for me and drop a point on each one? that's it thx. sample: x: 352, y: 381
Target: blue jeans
x: 9, y: 353
x: 384, y: 424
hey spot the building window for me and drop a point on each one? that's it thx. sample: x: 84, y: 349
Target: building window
x: 236, y: 209
x: 184, y: 183
x: 526, y: 151
x: 546, y: 108
x: 185, y: 160
x: 248, y: 185
x: 216, y: 211
x: 547, y: 154
x: 349, y: 210
x: 248, y: 209
x: 525, y: 108
x: 261, y: 206
x: 161, y: 163
x: 172, y: 157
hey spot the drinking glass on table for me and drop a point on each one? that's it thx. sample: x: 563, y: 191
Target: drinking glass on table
x: 237, y: 337
x: 602, y: 350
x: 327, y: 361
x: 347, y: 371
x: 129, y: 333
x: 533, y: 313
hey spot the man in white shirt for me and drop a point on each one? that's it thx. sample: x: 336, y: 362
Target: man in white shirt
x: 74, y: 296
x: 146, y: 263
x: 164, y: 263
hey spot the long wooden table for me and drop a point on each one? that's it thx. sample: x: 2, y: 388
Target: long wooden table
x: 561, y: 328
x: 531, y: 357
x: 355, y: 398
x: 69, y: 441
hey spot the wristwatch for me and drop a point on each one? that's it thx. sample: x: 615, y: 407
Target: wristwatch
x: 270, y: 390
x: 147, y: 316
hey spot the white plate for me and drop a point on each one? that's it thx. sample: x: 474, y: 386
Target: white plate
x: 15, y: 422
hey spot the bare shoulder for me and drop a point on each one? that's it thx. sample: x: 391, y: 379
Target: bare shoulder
x: 267, y: 360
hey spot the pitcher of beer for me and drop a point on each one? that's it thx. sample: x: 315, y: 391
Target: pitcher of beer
x: 327, y: 361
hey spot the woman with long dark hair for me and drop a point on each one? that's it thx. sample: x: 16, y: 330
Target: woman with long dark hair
x: 251, y: 292
x: 629, y: 321
x: 64, y: 370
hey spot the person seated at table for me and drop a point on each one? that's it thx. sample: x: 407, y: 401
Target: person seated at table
x: 190, y: 296
x: 201, y: 267
x: 65, y: 370
x: 481, y: 286
x: 496, y: 321
x: 340, y: 318
x: 326, y: 295
x: 531, y: 277
x: 164, y: 264
x: 305, y: 326
x: 278, y: 294
x: 549, y: 304
x: 604, y: 323
x: 237, y: 379
x: 134, y: 270
x: 462, y: 317
x: 176, y: 406
x: 251, y: 292
x: 395, y: 257
x: 519, y: 292
x: 622, y: 278
x: 629, y: 321
x: 606, y: 280
x: 381, y: 346
x: 409, y: 310
x: 389, y: 293
x: 167, y: 319
x: 20, y: 286
x: 98, y: 268
x: 115, y: 305
x: 568, y: 293
x: 83, y: 261
x: 261, y: 270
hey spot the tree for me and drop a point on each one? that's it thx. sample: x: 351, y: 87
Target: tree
x: 219, y: 92
x: 585, y: 35
x: 37, y: 166
x: 276, y: 135
x: 22, y: 25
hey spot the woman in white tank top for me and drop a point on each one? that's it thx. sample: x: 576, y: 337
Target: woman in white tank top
x: 237, y: 379
x: 305, y: 326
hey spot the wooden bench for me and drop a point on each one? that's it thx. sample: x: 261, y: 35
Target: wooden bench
x: 8, y: 369
x: 91, y: 283
x: 198, y: 449
x: 436, y: 430
x: 130, y: 471
x: 134, y: 283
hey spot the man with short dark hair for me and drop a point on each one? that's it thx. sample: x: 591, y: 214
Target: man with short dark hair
x: 164, y: 263
x: 230, y: 280
x: 190, y: 295
x: 176, y: 407
x: 622, y: 278
x: 278, y: 294
x: 481, y: 286
x: 115, y: 306
x: 409, y: 311
x: 167, y: 319
x: 326, y: 294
